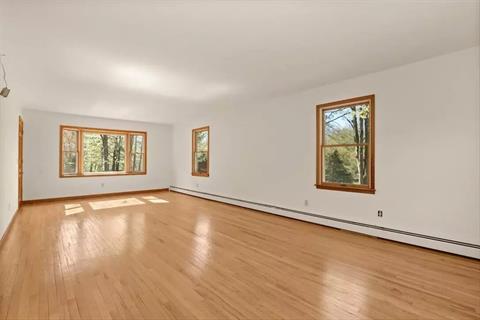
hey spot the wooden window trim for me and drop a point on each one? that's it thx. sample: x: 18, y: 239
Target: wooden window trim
x: 128, y: 152
x: 194, y: 150
x: 370, y: 188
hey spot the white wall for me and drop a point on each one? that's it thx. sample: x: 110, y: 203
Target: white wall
x: 41, y: 157
x: 427, y: 152
x: 9, y: 113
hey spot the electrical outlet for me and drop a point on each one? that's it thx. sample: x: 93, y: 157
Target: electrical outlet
x: 102, y: 184
x: 197, y: 185
x: 380, y: 213
x: 305, y: 203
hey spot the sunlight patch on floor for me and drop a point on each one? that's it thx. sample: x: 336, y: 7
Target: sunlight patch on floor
x: 107, y: 204
x: 73, y: 208
x: 154, y: 199
x: 158, y: 201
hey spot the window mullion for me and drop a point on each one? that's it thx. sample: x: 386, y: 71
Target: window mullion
x: 346, y: 145
x: 128, y: 154
x: 80, y: 152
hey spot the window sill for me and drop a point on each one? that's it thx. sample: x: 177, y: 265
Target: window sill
x: 347, y: 188
x: 103, y: 175
x: 200, y: 174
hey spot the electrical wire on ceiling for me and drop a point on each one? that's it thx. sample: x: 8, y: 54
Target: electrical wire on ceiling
x: 5, y: 90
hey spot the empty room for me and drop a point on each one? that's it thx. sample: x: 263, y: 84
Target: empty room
x: 270, y: 159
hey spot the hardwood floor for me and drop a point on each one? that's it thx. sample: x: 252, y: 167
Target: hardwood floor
x: 189, y: 258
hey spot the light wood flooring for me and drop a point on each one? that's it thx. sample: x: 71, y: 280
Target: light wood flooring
x: 166, y: 255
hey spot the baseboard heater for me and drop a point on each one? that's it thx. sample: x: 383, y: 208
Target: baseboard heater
x: 344, y: 221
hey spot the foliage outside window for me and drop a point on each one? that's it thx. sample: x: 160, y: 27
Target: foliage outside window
x: 91, y: 152
x: 200, y: 151
x: 345, y: 154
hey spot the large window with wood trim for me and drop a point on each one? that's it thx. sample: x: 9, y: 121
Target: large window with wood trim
x: 200, y: 151
x: 345, y: 145
x: 86, y: 152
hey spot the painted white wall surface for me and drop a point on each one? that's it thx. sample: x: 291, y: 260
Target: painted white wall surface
x: 41, y: 157
x: 427, y: 151
x: 9, y: 113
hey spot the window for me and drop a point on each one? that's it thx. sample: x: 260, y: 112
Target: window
x: 200, y: 151
x: 137, y: 153
x: 345, y: 145
x: 95, y: 152
x: 70, y: 151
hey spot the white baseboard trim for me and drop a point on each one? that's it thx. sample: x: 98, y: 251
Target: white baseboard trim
x: 447, y: 245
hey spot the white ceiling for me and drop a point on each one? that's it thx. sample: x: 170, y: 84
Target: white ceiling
x: 161, y: 61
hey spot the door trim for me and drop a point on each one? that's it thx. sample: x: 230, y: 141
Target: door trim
x: 20, y: 161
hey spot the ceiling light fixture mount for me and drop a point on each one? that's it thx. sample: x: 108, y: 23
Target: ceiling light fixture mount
x: 5, y: 90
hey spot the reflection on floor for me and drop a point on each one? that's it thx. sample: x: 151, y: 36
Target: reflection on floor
x: 154, y: 199
x: 108, y: 204
x: 73, y: 209
x: 189, y: 258
x: 149, y: 198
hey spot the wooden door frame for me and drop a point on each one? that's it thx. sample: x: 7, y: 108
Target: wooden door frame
x: 20, y: 161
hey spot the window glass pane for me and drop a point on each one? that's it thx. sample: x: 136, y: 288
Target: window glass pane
x: 347, y: 165
x: 69, y: 140
x: 137, y: 143
x: 201, y: 162
x: 137, y: 162
x: 103, y: 152
x: 69, y: 163
x: 347, y: 125
x: 201, y: 140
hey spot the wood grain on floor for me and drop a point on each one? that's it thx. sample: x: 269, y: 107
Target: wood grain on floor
x: 168, y: 255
